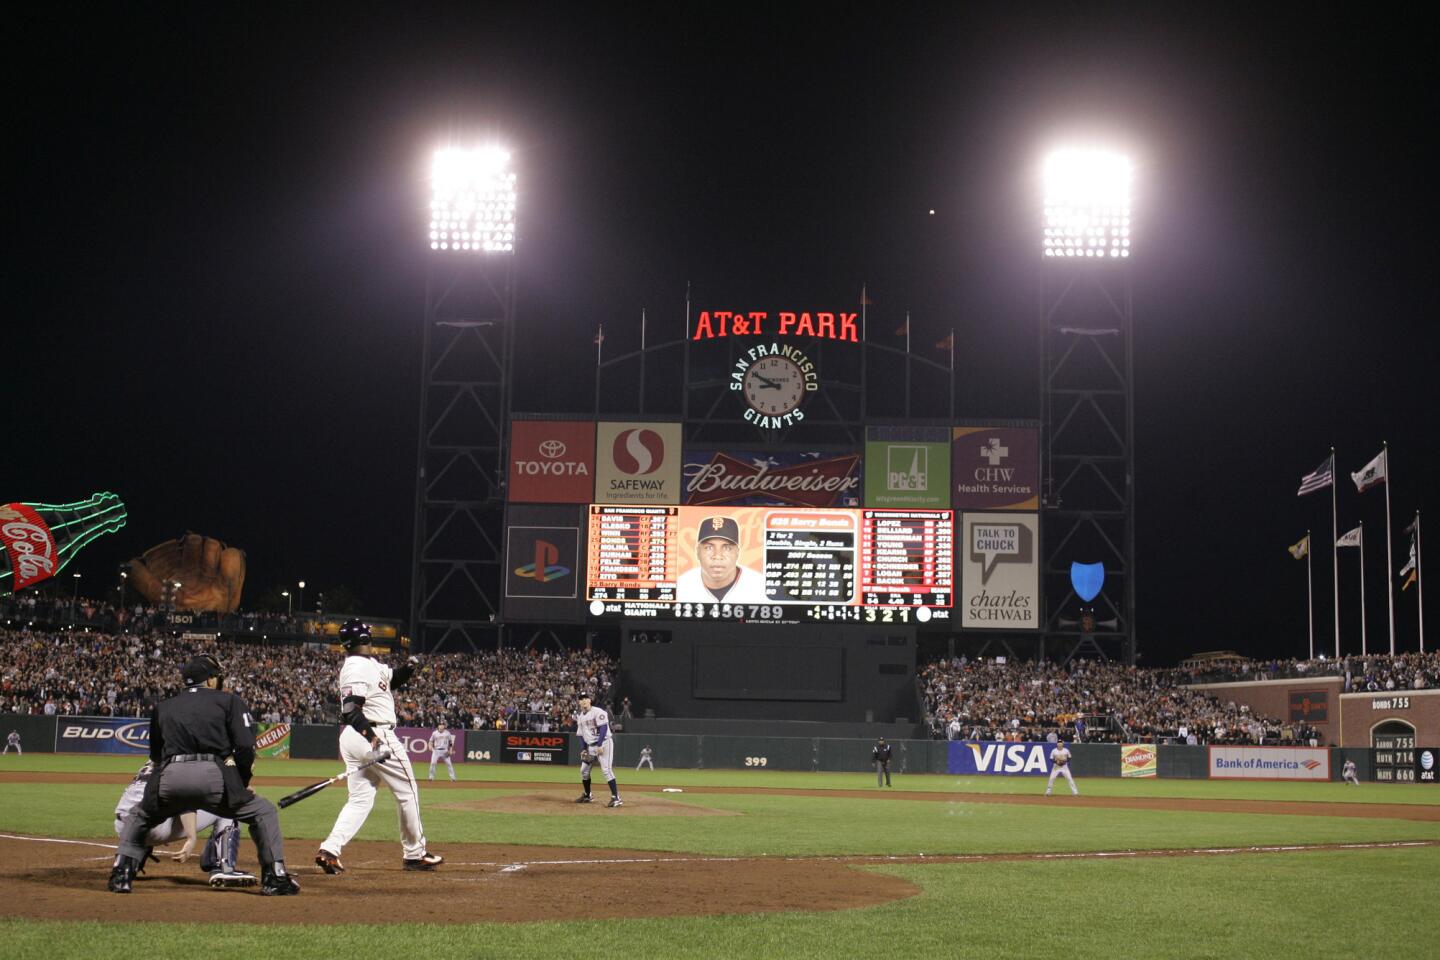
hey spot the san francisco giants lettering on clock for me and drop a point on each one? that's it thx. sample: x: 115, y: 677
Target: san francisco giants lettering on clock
x: 773, y: 380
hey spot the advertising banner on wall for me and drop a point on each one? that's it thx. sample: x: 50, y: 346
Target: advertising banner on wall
x: 637, y: 463
x: 272, y: 741
x: 772, y: 478
x: 995, y: 468
x: 998, y: 556
x: 907, y: 467
x: 1309, y: 706
x: 543, y: 564
x: 1269, y: 763
x: 1003, y: 759
x: 1138, y: 760
x: 102, y: 735
x: 551, y: 461
x: 547, y: 748
x: 417, y: 745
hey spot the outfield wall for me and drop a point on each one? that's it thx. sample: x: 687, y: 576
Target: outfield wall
x: 700, y: 752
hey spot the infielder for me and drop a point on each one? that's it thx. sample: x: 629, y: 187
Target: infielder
x: 367, y: 715
x: 221, y: 850
x: 440, y: 743
x: 593, y: 726
x: 1060, y: 766
x: 13, y: 740
x: 1348, y: 773
x: 646, y: 758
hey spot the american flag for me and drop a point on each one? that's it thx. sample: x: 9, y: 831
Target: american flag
x: 1320, y: 478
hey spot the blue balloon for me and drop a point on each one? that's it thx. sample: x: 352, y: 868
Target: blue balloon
x: 1087, y: 579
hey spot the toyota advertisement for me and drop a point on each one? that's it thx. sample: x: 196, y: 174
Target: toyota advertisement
x: 552, y: 461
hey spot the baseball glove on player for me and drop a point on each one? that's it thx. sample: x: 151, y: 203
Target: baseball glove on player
x: 586, y: 756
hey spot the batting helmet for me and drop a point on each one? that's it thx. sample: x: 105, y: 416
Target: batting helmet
x: 354, y: 633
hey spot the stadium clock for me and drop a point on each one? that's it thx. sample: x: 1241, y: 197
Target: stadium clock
x: 773, y: 386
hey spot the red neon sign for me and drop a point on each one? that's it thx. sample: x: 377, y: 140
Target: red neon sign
x: 824, y: 324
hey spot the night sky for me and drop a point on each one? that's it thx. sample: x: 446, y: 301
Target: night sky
x: 217, y: 265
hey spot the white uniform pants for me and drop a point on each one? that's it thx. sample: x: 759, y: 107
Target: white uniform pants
x: 645, y: 762
x: 8, y: 745
x: 606, y: 753
x: 168, y: 831
x: 435, y: 757
x: 1059, y: 771
x: 396, y: 773
x: 1353, y: 779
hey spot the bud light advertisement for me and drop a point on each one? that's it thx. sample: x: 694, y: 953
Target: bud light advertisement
x: 102, y: 735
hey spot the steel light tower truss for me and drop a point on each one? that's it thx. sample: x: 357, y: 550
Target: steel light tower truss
x: 1088, y: 408
x: 464, y: 404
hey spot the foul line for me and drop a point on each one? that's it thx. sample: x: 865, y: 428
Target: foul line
x: 82, y: 843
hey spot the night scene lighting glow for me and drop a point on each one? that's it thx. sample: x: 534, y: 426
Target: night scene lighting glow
x: 1087, y: 204
x: 472, y: 201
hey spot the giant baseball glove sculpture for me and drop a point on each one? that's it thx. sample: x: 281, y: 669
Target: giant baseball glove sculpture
x: 210, y: 574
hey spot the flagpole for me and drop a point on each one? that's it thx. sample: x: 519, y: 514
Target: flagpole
x: 907, y: 364
x: 1309, y: 593
x: 599, y: 345
x: 1389, y: 550
x: 642, y: 360
x: 1334, y: 552
x: 1419, y: 583
x: 1364, y: 646
x: 952, y: 373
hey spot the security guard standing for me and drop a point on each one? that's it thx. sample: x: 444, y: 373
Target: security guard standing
x: 880, y: 755
x: 202, y: 742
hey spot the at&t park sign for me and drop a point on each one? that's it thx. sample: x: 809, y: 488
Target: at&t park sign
x: 824, y: 324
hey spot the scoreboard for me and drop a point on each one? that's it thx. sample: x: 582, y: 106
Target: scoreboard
x: 770, y: 563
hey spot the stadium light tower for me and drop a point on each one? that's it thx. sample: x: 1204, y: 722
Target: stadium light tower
x: 464, y: 400
x: 1087, y: 402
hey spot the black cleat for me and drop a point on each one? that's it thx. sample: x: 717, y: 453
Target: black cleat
x: 278, y: 885
x: 615, y: 802
x: 427, y: 862
x: 122, y: 875
x: 583, y: 798
x: 230, y: 878
x: 328, y: 862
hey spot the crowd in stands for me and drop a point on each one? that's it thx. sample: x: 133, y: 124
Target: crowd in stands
x: 88, y: 613
x: 77, y: 673
x: 1362, y: 674
x: 1085, y: 700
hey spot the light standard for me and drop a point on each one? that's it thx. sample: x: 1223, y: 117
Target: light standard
x: 74, y: 597
x: 289, y: 604
x: 302, y: 597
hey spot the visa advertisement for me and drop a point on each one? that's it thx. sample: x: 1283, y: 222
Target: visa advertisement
x: 637, y: 463
x: 970, y: 757
x: 102, y: 735
x: 1269, y: 763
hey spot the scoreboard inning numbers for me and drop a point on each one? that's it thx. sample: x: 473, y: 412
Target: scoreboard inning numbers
x: 770, y: 563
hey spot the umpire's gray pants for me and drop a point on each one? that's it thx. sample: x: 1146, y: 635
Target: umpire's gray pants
x: 199, y: 785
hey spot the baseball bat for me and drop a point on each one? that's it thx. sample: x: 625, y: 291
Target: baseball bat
x: 315, y: 788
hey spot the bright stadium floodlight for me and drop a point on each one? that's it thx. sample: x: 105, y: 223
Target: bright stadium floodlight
x: 472, y: 201
x: 1087, y: 205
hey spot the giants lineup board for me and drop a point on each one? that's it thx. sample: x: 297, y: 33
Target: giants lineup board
x: 790, y: 563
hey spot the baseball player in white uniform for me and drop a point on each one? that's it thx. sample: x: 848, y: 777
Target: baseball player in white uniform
x: 1347, y: 772
x: 221, y: 850
x: 646, y: 758
x: 13, y: 740
x: 367, y: 715
x: 592, y: 724
x: 440, y: 743
x: 1060, y: 767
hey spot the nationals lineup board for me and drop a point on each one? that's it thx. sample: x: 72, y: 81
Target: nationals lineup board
x: 770, y: 563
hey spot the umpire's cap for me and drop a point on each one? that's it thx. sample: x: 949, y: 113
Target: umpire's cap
x: 723, y: 528
x: 200, y: 669
x: 354, y: 633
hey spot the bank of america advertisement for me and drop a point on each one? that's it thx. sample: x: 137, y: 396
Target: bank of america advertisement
x: 998, y: 556
x: 907, y: 468
x: 1269, y: 763
x: 995, y: 467
x: 543, y: 564
x: 637, y: 463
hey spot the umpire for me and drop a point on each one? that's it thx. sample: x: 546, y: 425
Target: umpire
x: 880, y: 756
x: 202, y: 742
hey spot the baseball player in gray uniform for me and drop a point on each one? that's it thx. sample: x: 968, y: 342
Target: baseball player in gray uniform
x: 367, y: 712
x: 221, y: 850
x: 592, y: 724
x: 646, y: 758
x: 13, y: 740
x: 440, y: 743
x: 1060, y: 767
x: 1348, y: 773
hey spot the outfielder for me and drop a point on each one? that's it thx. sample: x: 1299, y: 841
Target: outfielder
x: 440, y: 743
x: 367, y: 715
x: 1060, y: 767
x: 221, y: 850
x: 593, y: 726
x: 13, y: 740
x: 646, y: 758
x: 1348, y: 773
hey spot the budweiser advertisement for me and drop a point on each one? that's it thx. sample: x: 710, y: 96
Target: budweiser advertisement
x: 552, y: 461
x: 777, y: 479
x: 637, y: 463
x: 995, y: 467
x: 40, y: 538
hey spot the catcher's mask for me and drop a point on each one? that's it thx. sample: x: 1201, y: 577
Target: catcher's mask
x: 202, y: 668
x: 353, y: 634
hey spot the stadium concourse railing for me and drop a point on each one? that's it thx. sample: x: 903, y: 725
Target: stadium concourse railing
x: 39, y: 734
